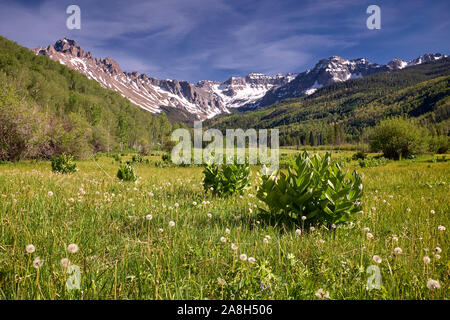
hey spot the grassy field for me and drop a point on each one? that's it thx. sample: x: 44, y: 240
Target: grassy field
x: 123, y: 254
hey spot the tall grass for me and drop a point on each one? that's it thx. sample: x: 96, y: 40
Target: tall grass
x: 125, y: 255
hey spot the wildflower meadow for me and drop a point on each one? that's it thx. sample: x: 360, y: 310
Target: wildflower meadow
x: 90, y: 235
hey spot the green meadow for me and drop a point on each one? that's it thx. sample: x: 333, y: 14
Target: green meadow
x: 164, y: 237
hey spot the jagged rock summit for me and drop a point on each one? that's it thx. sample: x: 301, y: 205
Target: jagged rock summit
x: 207, y: 99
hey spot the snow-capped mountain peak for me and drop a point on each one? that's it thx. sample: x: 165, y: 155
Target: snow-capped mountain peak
x: 206, y: 98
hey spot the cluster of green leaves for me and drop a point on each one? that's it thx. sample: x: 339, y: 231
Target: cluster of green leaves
x: 226, y: 179
x: 62, y: 111
x: 314, y: 187
x: 126, y: 172
x: 359, y: 155
x: 64, y: 164
x: 341, y: 112
x: 372, y: 162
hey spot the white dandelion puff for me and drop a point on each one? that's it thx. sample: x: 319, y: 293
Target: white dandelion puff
x: 251, y: 260
x: 72, y: 248
x: 322, y: 294
x: 30, y: 248
x: 433, y: 284
x: 38, y: 262
x: 149, y: 217
x: 426, y: 259
x: 221, y: 281
x: 65, y: 262
x: 377, y: 259
x: 243, y: 257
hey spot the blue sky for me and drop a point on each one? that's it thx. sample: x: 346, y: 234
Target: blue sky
x: 215, y: 39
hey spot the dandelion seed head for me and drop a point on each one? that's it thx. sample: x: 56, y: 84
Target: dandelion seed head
x: 30, y: 248
x: 426, y: 259
x: 377, y: 259
x: 322, y: 294
x: 72, y: 248
x: 433, y: 284
x: 243, y: 257
x: 38, y: 262
x: 65, y: 262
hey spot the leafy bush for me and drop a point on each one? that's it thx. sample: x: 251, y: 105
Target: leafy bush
x: 359, y: 155
x: 64, y: 164
x: 126, y: 173
x: 372, y: 162
x: 398, y: 138
x: 314, y: 187
x: 137, y: 158
x: 165, y: 157
x: 226, y: 179
x: 439, y: 144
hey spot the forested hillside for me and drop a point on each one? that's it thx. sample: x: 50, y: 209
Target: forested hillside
x: 342, y: 112
x: 47, y: 109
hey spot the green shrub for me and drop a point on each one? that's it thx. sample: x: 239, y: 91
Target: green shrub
x: 398, y: 138
x: 439, y: 144
x: 165, y: 157
x: 314, y: 187
x: 137, y: 158
x: 63, y: 164
x: 372, y: 162
x: 126, y: 173
x: 359, y: 155
x: 226, y: 179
